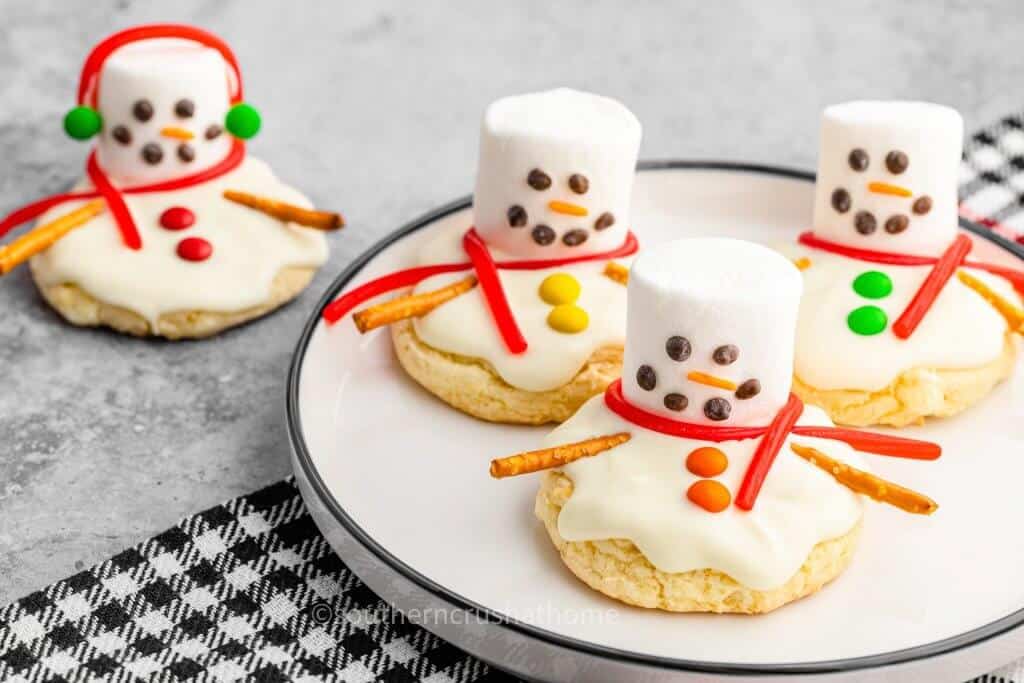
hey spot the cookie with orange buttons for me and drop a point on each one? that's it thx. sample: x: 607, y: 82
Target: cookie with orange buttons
x: 699, y: 482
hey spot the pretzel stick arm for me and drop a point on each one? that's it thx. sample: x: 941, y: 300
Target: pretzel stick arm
x: 1011, y: 312
x: 868, y: 484
x: 45, y: 236
x: 617, y: 271
x: 534, y: 461
x: 409, y: 306
x: 289, y: 213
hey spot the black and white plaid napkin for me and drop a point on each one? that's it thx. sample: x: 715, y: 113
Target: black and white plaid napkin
x: 251, y: 590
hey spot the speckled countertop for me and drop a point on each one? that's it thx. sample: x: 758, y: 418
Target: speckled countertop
x: 373, y: 109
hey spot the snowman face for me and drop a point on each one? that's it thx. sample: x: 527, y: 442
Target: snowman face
x: 710, y: 332
x: 716, y: 390
x: 887, y: 176
x: 163, y: 105
x: 555, y: 174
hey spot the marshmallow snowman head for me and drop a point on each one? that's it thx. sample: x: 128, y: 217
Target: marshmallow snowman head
x: 710, y: 331
x: 555, y: 174
x: 163, y: 104
x: 887, y: 176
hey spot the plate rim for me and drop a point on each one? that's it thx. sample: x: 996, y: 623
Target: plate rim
x: 937, y: 648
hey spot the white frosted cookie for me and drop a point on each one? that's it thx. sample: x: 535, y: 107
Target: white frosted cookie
x: 699, y: 483
x: 173, y: 231
x: 887, y: 187
x: 254, y: 263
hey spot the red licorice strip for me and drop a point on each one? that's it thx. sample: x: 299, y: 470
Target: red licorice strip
x: 115, y: 202
x: 494, y: 293
x: 339, y: 308
x: 88, y: 82
x: 809, y: 239
x: 616, y: 402
x: 930, y: 289
x: 31, y: 211
x: 767, y: 449
x: 872, y: 442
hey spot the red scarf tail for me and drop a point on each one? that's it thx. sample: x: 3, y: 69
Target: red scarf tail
x: 494, y: 293
x: 340, y: 307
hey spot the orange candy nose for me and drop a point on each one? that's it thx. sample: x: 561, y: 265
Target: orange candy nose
x: 707, y: 461
x: 710, y: 495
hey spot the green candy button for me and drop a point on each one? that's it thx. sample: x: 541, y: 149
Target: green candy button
x: 82, y: 123
x: 243, y: 121
x: 873, y: 285
x: 867, y: 320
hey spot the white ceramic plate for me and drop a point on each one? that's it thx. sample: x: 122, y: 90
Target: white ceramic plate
x: 398, y: 482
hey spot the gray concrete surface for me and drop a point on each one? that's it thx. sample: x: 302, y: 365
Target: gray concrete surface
x: 373, y: 108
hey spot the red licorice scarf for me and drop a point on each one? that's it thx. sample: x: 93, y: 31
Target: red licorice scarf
x: 783, y: 424
x: 943, y: 268
x: 486, y: 270
x: 114, y: 195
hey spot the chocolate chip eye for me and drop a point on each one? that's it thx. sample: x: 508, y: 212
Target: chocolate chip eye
x: 538, y: 179
x: 574, y: 238
x: 646, y: 378
x: 896, y: 224
x: 717, y: 409
x: 896, y: 161
x: 676, y: 402
x: 922, y: 205
x: 865, y: 222
x: 143, y: 110
x: 543, y: 235
x: 725, y: 354
x: 678, y: 348
x: 517, y: 217
x: 579, y: 183
x: 859, y: 160
x: 185, y: 108
x: 841, y: 200
x: 213, y: 131
x: 604, y: 221
x: 748, y: 389
x: 122, y: 135
x: 186, y: 153
x: 152, y: 154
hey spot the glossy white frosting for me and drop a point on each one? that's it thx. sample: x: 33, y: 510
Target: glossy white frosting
x: 249, y: 249
x: 960, y: 331
x: 464, y: 325
x: 637, y: 491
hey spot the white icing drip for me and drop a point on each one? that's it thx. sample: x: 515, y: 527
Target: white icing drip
x: 637, y: 491
x: 249, y: 249
x: 464, y: 325
x: 960, y: 331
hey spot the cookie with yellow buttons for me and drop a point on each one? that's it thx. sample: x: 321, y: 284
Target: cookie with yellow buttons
x: 519, y: 316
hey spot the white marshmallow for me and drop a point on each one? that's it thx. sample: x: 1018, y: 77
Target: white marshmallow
x: 162, y: 72
x: 931, y: 137
x: 712, y: 292
x: 560, y: 133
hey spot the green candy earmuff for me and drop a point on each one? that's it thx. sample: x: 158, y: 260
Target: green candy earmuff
x: 243, y: 121
x: 82, y: 123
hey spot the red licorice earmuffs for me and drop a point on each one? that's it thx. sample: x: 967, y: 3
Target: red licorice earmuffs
x: 84, y: 121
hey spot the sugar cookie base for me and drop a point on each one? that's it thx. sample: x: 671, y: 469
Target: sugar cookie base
x: 618, y: 569
x: 472, y: 386
x: 79, y: 307
x: 914, y: 395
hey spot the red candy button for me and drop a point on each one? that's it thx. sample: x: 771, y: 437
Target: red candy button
x: 194, y: 249
x: 177, y: 218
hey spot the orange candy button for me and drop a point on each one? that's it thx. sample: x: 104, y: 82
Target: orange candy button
x: 707, y: 462
x: 710, y: 495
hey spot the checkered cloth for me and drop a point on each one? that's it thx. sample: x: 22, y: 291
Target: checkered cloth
x: 992, y: 177
x: 250, y: 589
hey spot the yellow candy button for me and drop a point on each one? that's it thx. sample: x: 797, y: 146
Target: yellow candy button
x: 568, y: 318
x: 560, y: 288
